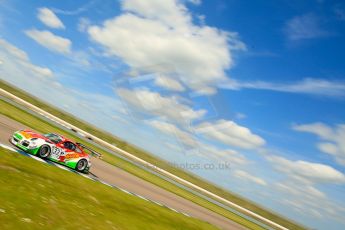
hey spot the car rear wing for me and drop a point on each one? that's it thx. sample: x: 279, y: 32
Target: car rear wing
x: 93, y: 152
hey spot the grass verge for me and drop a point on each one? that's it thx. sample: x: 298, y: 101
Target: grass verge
x: 39, y: 196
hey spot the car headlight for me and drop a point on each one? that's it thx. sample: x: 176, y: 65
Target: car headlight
x: 33, y: 145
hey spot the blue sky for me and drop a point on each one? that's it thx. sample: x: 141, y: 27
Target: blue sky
x: 258, y: 86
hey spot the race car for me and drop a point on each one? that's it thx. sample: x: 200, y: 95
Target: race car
x: 54, y: 147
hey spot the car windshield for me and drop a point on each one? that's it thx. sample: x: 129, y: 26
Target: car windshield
x: 53, y: 137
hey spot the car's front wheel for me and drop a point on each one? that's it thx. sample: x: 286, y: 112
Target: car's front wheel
x: 44, y: 151
x: 81, y: 165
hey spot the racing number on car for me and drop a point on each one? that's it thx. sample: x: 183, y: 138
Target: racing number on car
x: 56, y: 152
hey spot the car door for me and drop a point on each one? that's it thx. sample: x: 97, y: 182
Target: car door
x: 57, y: 151
x: 71, y: 151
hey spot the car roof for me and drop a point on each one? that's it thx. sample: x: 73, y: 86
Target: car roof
x: 66, y: 139
x: 62, y: 137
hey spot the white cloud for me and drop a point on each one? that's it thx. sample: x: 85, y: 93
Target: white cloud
x: 240, y: 116
x: 319, y: 129
x: 16, y: 61
x: 309, y: 201
x: 13, y: 51
x: 79, y: 10
x: 246, y: 176
x: 173, y: 147
x: 195, y: 2
x: 307, y: 172
x: 318, y: 87
x: 230, y: 133
x: 47, y: 17
x: 305, y: 190
x: 83, y: 24
x: 183, y: 137
x: 304, y: 27
x: 50, y: 41
x: 162, y: 106
x: 196, y: 147
x: 220, y: 155
x: 300, y: 189
x: 170, y: 12
x: 169, y: 83
x: 332, y: 139
x: 231, y: 156
x: 162, y: 32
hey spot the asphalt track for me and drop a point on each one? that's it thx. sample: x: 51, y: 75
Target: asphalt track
x: 118, y: 177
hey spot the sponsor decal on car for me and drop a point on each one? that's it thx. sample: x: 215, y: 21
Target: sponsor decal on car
x: 72, y: 155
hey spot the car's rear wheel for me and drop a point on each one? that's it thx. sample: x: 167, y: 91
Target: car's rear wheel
x: 81, y: 165
x: 44, y: 151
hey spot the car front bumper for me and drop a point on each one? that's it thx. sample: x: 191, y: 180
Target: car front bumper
x: 23, y: 144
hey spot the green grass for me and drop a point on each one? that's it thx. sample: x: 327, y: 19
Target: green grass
x: 162, y: 164
x: 34, y: 195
